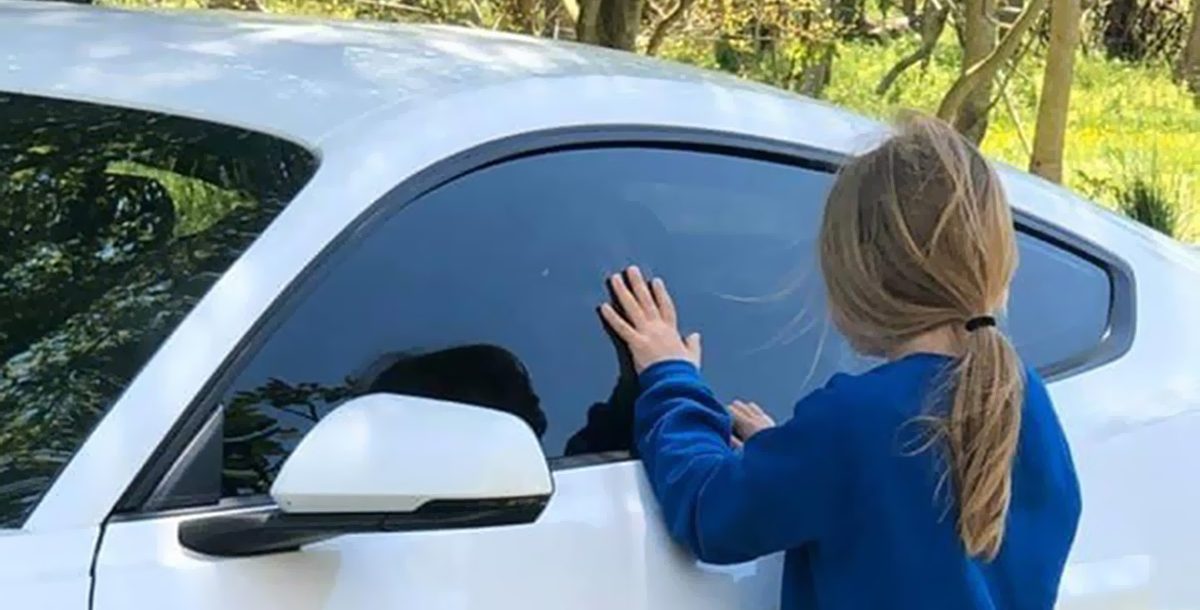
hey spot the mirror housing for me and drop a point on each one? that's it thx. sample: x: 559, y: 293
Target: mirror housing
x: 385, y: 463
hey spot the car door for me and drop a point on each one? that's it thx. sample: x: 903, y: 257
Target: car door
x: 484, y: 291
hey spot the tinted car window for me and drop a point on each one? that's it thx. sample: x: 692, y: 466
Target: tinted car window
x: 1059, y: 308
x: 113, y: 223
x: 485, y: 291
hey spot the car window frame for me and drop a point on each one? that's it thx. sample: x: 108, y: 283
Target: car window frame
x: 1115, y: 341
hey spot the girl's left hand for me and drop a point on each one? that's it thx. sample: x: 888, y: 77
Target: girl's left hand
x: 748, y: 419
x: 650, y: 326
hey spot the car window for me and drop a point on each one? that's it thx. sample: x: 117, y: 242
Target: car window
x: 113, y: 222
x: 1059, y: 306
x: 485, y: 290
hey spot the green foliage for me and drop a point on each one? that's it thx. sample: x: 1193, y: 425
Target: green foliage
x: 1148, y: 203
x: 1117, y: 108
x: 1119, y: 112
x: 1142, y: 191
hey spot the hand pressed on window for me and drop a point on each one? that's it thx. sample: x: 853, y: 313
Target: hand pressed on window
x: 648, y: 324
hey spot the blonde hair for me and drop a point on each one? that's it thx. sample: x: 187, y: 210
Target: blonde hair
x: 918, y: 236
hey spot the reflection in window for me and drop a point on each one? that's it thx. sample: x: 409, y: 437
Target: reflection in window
x: 113, y: 223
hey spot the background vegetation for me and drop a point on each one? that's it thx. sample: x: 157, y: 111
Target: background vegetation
x: 1102, y: 95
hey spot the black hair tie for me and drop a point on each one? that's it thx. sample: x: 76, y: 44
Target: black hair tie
x: 979, y: 322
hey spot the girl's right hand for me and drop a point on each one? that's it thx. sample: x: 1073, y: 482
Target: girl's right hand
x: 748, y: 419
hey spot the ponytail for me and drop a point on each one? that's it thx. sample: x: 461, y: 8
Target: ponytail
x: 917, y: 236
x: 981, y: 430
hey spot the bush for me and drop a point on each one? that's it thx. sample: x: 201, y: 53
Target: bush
x: 1150, y: 204
x: 1144, y: 193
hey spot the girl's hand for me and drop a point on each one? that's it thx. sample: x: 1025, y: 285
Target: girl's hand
x: 748, y: 419
x: 649, y: 326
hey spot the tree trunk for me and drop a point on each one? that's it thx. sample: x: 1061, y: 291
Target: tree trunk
x: 1188, y: 68
x: 585, y: 21
x: 1119, y: 30
x: 985, y: 70
x: 610, y: 23
x: 1051, y: 130
x: 979, y: 40
x: 816, y: 76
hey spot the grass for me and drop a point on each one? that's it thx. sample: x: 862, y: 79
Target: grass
x: 1121, y: 115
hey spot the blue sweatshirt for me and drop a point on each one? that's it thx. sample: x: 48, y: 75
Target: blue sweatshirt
x: 835, y: 489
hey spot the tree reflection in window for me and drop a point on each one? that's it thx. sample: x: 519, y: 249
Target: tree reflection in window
x: 113, y: 223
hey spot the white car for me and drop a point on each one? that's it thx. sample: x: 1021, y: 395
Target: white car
x: 255, y: 270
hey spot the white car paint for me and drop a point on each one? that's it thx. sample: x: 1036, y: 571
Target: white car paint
x: 380, y: 103
x: 359, y: 458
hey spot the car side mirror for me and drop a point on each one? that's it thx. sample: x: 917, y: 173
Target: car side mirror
x: 388, y: 463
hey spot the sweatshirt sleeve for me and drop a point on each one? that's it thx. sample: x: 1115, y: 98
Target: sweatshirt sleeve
x: 780, y: 491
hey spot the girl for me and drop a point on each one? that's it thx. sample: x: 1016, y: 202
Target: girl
x: 939, y: 480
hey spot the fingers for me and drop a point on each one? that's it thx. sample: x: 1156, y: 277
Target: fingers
x: 695, y: 350
x: 626, y: 299
x: 737, y: 408
x: 641, y: 291
x: 618, y: 324
x: 748, y: 419
x: 663, y: 299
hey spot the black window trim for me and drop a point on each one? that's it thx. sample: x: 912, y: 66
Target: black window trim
x: 132, y: 504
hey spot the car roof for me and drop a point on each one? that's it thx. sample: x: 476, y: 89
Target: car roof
x: 351, y: 90
x: 300, y: 79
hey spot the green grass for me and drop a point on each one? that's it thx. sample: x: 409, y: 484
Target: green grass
x: 1123, y: 118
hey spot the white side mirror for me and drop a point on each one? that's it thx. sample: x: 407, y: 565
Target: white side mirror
x: 394, y: 454
x: 385, y: 463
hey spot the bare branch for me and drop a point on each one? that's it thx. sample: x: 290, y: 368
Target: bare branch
x: 1016, y: 119
x: 933, y: 23
x: 658, y: 11
x: 986, y: 69
x: 662, y: 27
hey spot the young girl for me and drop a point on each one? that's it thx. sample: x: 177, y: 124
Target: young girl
x: 939, y: 480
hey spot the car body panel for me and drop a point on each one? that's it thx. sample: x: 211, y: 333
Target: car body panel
x: 597, y: 546
x: 380, y: 104
x: 50, y: 570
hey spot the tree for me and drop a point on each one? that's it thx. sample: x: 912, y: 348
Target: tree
x: 933, y: 23
x: 1188, y: 67
x: 979, y: 40
x: 985, y: 70
x: 664, y: 25
x: 610, y: 23
x: 1050, y: 133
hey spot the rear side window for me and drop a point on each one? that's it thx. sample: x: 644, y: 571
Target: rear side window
x: 113, y: 223
x: 1060, y: 304
x: 484, y: 291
